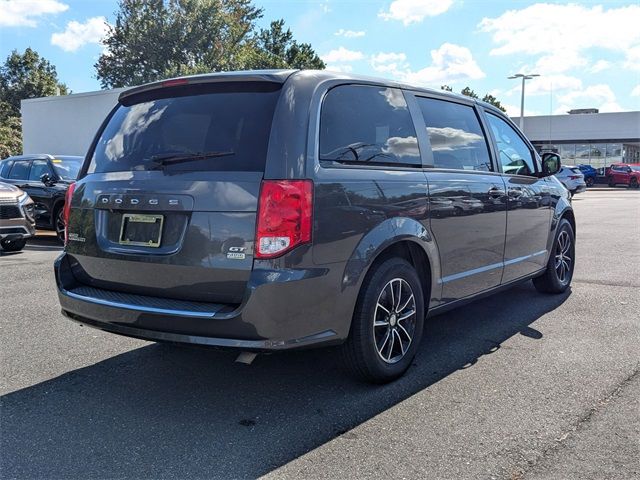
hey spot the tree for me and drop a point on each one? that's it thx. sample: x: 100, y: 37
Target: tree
x: 469, y: 93
x: 22, y: 76
x: 493, y: 101
x: 446, y: 88
x: 276, y: 48
x: 155, y: 39
x: 27, y: 75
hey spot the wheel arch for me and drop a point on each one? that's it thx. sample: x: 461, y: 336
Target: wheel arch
x: 398, y: 237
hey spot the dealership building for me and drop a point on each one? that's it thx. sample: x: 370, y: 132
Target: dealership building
x: 67, y: 124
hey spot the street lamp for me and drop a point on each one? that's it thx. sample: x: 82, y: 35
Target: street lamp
x: 524, y: 77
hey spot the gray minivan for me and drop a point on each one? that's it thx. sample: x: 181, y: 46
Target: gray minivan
x: 271, y: 210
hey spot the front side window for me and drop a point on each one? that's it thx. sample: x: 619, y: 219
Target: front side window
x: 456, y: 138
x: 515, y: 156
x: 39, y: 168
x: 20, y: 170
x: 367, y: 125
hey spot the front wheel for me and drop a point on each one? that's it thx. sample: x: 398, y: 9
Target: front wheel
x: 559, y: 272
x: 59, y: 225
x: 387, y: 324
x: 633, y: 183
x: 13, y: 245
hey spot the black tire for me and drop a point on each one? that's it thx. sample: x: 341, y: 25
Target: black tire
x: 58, y: 223
x: 13, y: 245
x: 633, y: 183
x: 559, y: 272
x: 611, y: 182
x: 364, y: 349
x: 590, y: 182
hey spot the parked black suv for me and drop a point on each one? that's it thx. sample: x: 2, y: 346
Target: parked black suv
x: 46, y: 179
x: 282, y: 209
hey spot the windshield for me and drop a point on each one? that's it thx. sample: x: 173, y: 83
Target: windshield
x: 635, y: 168
x: 67, y: 168
x: 213, y: 127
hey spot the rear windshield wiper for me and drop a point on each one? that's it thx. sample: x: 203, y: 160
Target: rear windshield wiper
x: 173, y: 158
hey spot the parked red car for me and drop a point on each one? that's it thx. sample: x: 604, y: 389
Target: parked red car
x: 624, y: 174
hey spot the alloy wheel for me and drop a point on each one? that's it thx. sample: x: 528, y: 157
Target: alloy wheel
x: 394, y: 320
x: 563, y: 258
x: 60, y: 226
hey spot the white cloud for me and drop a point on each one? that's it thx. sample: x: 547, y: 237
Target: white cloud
x: 547, y: 84
x: 562, y: 33
x: 633, y: 59
x: 341, y: 54
x: 23, y: 13
x: 599, y: 96
x: 414, y: 11
x: 349, y: 33
x: 514, y: 110
x: 393, y: 63
x: 449, y: 64
x: 599, y: 66
x: 636, y: 91
x: 78, y: 34
x: 340, y: 68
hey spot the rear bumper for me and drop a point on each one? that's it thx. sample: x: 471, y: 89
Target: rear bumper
x: 580, y: 188
x: 281, y: 314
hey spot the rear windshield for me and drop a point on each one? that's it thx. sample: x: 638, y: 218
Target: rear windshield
x: 223, y: 126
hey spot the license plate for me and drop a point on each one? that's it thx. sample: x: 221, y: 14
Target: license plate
x: 141, y: 230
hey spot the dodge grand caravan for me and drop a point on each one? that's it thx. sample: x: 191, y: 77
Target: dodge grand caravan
x: 271, y: 210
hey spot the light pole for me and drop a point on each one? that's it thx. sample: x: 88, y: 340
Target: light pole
x: 524, y: 77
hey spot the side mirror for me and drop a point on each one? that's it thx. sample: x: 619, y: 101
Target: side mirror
x: 46, y: 179
x: 550, y: 164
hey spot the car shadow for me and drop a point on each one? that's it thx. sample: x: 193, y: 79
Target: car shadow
x: 161, y: 411
x: 43, y: 243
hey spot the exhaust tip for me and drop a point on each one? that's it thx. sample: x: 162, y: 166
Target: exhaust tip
x: 246, y: 357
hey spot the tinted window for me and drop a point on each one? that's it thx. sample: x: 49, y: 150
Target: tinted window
x: 515, y: 156
x: 67, y: 168
x: 39, y: 168
x: 20, y: 170
x: 372, y: 125
x: 4, y: 169
x: 455, y: 135
x: 229, y: 119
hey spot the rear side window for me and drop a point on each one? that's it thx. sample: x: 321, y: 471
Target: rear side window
x: 367, y: 125
x: 227, y: 124
x: 455, y: 135
x: 20, y: 170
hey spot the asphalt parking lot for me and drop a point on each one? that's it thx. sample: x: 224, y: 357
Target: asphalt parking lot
x: 521, y: 385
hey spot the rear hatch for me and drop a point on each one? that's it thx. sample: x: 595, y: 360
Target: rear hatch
x: 167, y: 206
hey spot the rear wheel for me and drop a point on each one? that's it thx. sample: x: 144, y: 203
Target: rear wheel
x: 590, y: 181
x: 13, y: 245
x: 633, y: 183
x: 611, y: 182
x: 387, y: 324
x: 559, y: 272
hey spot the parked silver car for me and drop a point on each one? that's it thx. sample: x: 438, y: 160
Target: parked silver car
x: 17, y: 222
x: 572, y: 178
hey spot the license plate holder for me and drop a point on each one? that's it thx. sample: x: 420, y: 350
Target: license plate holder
x: 143, y: 230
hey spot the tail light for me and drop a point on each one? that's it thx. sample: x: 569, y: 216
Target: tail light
x: 285, y: 212
x: 574, y: 177
x: 66, y: 210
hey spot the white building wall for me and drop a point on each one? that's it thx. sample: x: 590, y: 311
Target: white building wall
x: 586, y: 127
x: 66, y: 124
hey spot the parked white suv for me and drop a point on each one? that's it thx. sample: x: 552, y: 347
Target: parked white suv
x: 572, y: 178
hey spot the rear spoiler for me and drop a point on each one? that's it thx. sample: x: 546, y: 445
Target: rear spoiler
x: 272, y: 76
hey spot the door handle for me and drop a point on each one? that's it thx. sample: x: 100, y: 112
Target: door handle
x: 495, y: 192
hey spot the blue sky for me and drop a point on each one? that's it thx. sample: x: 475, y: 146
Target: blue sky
x: 587, y: 53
